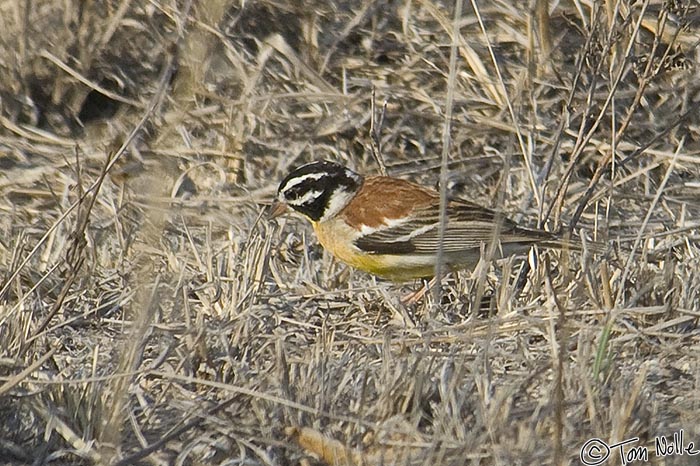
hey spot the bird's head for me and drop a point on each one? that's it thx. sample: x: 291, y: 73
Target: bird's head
x: 317, y: 190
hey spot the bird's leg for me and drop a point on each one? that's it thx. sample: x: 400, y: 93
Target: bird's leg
x: 414, y: 296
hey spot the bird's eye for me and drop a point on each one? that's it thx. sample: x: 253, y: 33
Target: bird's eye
x: 293, y: 193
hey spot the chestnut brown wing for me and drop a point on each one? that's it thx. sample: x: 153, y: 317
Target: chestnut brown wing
x: 468, y: 227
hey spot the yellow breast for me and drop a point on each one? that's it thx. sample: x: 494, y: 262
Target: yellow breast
x: 338, y: 238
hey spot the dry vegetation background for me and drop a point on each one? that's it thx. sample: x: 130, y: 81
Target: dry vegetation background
x: 151, y: 314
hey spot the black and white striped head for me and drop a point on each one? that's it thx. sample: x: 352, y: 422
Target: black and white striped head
x: 319, y: 190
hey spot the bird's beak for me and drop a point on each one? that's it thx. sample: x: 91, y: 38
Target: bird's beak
x: 276, y: 209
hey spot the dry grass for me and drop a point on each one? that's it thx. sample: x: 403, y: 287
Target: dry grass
x: 151, y: 314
